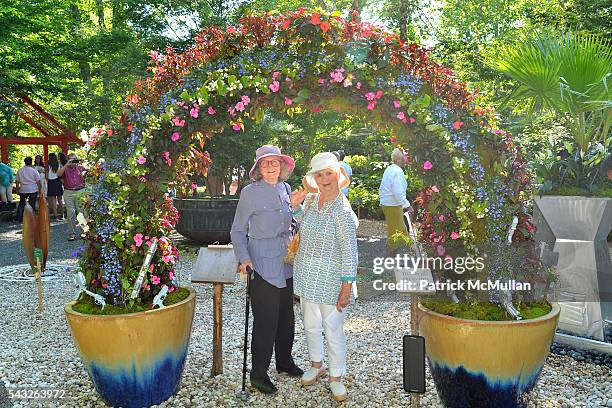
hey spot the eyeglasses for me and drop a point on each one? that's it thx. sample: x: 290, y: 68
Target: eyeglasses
x: 266, y: 163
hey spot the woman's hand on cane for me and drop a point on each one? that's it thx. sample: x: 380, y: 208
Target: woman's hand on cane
x: 243, y: 266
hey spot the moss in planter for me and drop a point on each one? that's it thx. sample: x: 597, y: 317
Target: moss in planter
x: 604, y: 190
x: 487, y: 311
x: 87, y: 305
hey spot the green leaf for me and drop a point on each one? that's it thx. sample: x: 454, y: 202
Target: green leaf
x: 202, y: 95
x: 125, y: 283
x: 221, y: 87
x: 185, y: 96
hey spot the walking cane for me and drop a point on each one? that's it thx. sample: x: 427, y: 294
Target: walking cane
x: 244, y: 394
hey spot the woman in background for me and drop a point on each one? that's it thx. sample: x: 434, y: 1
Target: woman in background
x: 55, y: 189
x: 39, y: 165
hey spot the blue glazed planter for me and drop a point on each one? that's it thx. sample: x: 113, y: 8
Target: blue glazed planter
x: 134, y: 360
x: 483, y: 364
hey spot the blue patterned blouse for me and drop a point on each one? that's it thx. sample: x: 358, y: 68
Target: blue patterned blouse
x: 327, y: 254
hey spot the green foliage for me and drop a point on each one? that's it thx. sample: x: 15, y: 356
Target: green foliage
x: 86, y: 304
x: 487, y: 311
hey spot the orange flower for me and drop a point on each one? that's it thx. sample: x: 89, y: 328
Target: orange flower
x: 315, y: 19
x: 325, y: 26
x: 286, y: 24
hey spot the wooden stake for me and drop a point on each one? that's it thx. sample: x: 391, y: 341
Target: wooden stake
x: 38, y: 283
x: 217, y: 365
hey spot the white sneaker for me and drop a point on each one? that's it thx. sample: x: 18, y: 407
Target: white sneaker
x: 338, y: 390
x: 311, y: 375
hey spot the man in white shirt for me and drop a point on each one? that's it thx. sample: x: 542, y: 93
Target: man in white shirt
x: 28, y: 183
x: 393, y: 199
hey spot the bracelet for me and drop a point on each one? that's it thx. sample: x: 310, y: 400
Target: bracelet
x: 296, y: 212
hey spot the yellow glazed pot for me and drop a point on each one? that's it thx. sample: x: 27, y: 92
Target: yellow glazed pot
x: 136, y: 359
x: 486, y: 364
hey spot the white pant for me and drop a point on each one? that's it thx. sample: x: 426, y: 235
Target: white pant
x: 6, y: 193
x: 320, y: 318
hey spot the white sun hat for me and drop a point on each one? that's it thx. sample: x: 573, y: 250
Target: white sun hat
x: 322, y: 161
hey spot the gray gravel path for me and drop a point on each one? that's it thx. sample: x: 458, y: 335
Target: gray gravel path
x: 11, y: 248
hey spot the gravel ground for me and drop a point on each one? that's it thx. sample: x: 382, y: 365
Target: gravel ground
x: 38, y: 350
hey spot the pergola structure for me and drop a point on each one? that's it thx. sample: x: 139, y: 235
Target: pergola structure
x: 52, y: 131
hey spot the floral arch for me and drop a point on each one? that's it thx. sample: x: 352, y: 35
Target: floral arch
x: 300, y: 62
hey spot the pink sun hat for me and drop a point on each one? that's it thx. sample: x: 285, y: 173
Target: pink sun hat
x: 271, y: 150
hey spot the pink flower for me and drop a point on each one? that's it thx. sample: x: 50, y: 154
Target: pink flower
x: 143, y: 179
x: 316, y: 109
x: 195, y: 111
x: 231, y: 29
x: 274, y: 86
x: 288, y: 101
x: 457, y: 125
x: 231, y: 111
x: 401, y: 116
x: 138, y: 239
x: 337, y: 75
x: 240, y: 107
x: 454, y: 235
x: 237, y: 126
x: 427, y: 165
x: 170, y: 275
x: 379, y: 94
x: 151, y: 267
x: 441, y: 250
x: 167, y: 258
x: 245, y: 100
x: 370, y: 96
x: 194, y: 186
x: 211, y: 111
x: 141, y: 160
x: 275, y: 74
x: 321, y: 81
x: 397, y: 104
x: 154, y: 55
x: 358, y: 85
x: 178, y: 121
x: 435, y: 189
x: 392, y: 139
x: 167, y: 159
x: 412, y: 120
x: 442, y: 217
x: 175, y: 136
x: 371, y: 105
x: 155, y: 280
x: 171, y: 289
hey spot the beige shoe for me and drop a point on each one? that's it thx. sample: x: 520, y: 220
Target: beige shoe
x: 312, y: 375
x: 338, y: 390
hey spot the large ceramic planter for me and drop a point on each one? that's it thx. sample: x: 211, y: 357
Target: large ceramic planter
x: 484, y: 364
x: 206, y: 220
x: 136, y: 359
x: 577, y: 228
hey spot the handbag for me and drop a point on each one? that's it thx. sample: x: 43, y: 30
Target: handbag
x: 294, y: 244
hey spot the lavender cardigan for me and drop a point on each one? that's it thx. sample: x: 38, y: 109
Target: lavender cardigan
x: 261, y: 230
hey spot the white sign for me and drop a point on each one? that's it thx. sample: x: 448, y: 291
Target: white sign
x: 414, y: 280
x: 215, y: 264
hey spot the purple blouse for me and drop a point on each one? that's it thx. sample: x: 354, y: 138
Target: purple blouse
x: 261, y: 230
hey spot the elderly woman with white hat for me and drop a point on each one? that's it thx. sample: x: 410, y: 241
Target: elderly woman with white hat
x: 260, y: 235
x: 325, y: 266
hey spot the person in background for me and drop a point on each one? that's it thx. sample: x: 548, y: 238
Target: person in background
x: 55, y: 189
x: 39, y: 165
x: 73, y: 175
x: 347, y: 169
x: 7, y: 177
x: 606, y: 168
x: 28, y: 184
x: 393, y: 199
x: 325, y: 266
x: 260, y: 234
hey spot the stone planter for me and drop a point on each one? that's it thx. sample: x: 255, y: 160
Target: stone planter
x: 486, y: 364
x: 206, y: 220
x: 136, y: 359
x: 577, y: 228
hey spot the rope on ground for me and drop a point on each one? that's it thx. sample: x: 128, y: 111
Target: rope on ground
x: 24, y: 273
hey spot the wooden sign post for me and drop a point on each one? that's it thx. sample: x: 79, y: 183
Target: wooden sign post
x: 216, y: 264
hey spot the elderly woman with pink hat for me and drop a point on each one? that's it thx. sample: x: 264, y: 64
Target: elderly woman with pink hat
x: 260, y: 235
x: 325, y: 266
